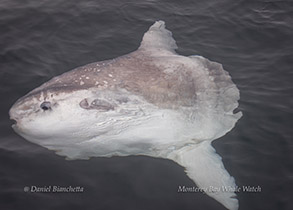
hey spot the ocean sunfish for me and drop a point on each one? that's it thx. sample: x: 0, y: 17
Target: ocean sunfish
x: 150, y: 102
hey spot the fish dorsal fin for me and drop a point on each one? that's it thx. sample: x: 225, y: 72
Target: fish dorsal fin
x: 204, y: 166
x: 158, y: 38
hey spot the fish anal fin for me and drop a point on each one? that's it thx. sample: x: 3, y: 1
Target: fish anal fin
x: 204, y: 166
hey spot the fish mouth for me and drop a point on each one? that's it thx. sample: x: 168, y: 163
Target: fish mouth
x: 13, y: 122
x: 13, y: 117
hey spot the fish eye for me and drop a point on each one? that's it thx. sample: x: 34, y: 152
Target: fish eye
x: 46, y: 105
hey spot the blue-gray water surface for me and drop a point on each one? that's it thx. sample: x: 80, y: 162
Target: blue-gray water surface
x: 253, y: 40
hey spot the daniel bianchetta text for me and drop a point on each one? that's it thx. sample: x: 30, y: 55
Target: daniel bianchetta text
x: 53, y: 189
x: 213, y: 189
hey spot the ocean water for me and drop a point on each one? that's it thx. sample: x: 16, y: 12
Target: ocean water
x: 253, y: 40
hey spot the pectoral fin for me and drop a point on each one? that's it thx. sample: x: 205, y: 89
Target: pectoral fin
x: 97, y: 104
x: 204, y: 166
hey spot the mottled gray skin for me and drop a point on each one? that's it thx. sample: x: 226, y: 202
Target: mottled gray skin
x: 138, y: 73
